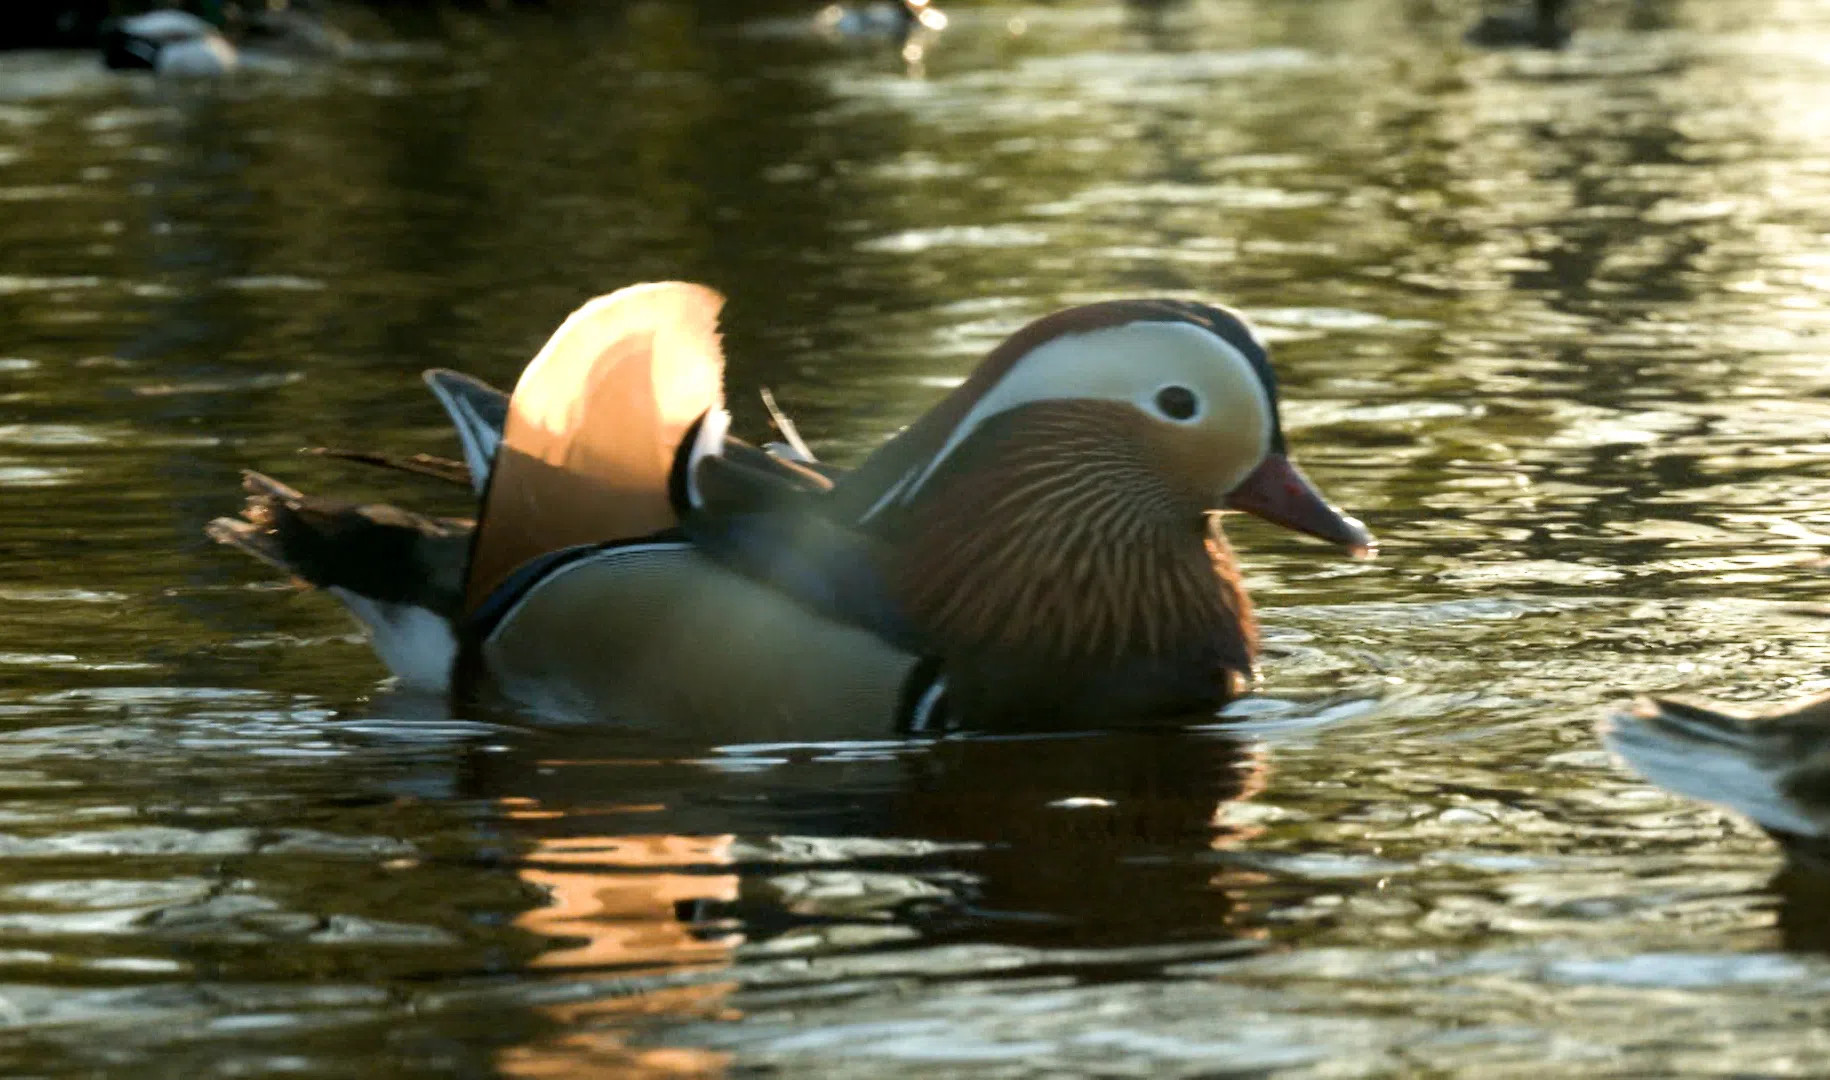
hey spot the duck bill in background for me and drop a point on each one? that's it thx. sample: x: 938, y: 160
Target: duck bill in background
x: 1278, y: 492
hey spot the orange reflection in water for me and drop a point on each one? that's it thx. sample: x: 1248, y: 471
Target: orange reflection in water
x: 620, y: 904
x: 614, y: 906
x: 592, y: 1040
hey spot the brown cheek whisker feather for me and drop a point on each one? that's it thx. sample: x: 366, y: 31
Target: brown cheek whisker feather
x: 1055, y: 535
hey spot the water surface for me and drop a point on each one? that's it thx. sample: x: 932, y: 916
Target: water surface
x: 1555, y: 325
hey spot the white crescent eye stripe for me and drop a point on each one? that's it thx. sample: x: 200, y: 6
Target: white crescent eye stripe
x: 1108, y: 364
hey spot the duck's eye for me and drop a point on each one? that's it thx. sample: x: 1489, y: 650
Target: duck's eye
x: 1178, y: 402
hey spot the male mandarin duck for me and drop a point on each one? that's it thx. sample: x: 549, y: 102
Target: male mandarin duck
x: 1774, y: 769
x: 1041, y: 548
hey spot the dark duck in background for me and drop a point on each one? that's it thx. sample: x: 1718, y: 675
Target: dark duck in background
x: 218, y: 38
x: 1545, y: 24
x: 883, y: 18
x: 169, y: 43
x: 1040, y: 549
x: 1775, y: 769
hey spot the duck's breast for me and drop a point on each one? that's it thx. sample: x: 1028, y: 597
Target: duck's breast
x: 657, y: 634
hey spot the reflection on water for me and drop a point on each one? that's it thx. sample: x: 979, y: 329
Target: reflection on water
x: 1090, y: 855
x: 1552, y: 322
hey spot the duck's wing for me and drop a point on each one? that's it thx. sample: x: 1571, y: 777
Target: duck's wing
x: 769, y: 517
x: 617, y: 432
x: 399, y: 572
x: 1774, y: 769
x: 729, y: 476
x: 825, y: 566
x: 595, y: 425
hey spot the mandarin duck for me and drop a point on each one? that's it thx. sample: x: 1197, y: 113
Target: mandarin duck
x: 1774, y: 769
x: 168, y: 42
x: 1041, y: 548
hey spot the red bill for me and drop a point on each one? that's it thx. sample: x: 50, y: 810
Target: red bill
x: 1278, y: 492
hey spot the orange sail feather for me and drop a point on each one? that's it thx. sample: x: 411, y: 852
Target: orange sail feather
x: 594, y: 424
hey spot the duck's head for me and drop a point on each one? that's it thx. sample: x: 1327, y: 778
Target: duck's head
x: 1164, y: 407
x: 1048, y: 527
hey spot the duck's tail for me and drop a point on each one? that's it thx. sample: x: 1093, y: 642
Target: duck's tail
x: 400, y: 573
x: 1754, y: 766
x: 479, y: 412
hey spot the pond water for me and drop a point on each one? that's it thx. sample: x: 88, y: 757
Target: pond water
x: 1555, y: 325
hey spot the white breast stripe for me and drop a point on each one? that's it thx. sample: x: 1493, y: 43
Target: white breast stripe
x: 921, y: 717
x: 709, y: 443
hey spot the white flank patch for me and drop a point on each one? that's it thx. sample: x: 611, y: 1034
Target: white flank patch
x: 418, y: 646
x: 922, y: 717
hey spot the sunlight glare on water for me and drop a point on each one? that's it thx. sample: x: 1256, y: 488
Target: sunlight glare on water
x: 1553, y: 324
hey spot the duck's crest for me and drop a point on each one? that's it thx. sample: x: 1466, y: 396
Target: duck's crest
x: 594, y: 425
x: 891, y: 475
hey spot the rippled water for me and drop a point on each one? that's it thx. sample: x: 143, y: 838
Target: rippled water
x: 1555, y: 324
